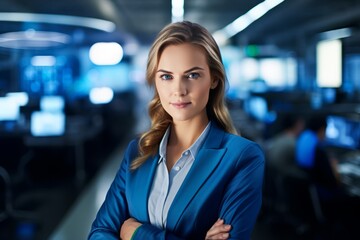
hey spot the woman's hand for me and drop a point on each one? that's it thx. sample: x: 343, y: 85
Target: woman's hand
x: 128, y: 228
x: 219, y: 230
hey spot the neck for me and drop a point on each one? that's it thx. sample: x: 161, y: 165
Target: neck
x: 184, y: 134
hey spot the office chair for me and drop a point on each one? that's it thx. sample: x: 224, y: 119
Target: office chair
x: 292, y: 198
x: 302, y: 198
x: 9, y: 211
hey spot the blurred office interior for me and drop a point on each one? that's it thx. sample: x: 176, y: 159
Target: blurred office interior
x: 73, y: 93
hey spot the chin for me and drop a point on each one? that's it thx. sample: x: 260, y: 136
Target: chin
x: 180, y: 118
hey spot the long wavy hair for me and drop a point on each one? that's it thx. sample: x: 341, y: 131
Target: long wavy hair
x: 175, y: 34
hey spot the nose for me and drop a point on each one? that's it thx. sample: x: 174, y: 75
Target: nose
x: 180, y: 88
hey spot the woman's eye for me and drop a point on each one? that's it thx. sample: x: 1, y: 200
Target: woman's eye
x: 165, y: 77
x: 194, y: 75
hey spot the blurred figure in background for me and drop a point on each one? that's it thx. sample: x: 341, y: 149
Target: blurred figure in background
x: 280, y: 150
x: 340, y: 210
x: 321, y: 167
x: 312, y: 156
x: 281, y: 164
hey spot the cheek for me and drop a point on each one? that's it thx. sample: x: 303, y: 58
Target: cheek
x: 158, y: 89
x: 204, y: 91
x: 163, y: 95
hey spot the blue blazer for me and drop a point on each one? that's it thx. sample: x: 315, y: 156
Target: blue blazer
x: 225, y: 182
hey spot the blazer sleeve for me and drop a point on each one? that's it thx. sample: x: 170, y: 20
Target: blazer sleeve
x: 114, y: 210
x: 150, y: 232
x: 242, y: 199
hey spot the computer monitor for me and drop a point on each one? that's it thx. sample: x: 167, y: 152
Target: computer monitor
x: 52, y: 103
x: 256, y: 107
x: 342, y: 132
x: 9, y: 109
x: 44, y: 124
x: 21, y: 98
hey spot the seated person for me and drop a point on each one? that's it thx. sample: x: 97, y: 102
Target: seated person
x: 312, y: 156
x: 280, y: 162
x: 338, y: 207
x: 281, y: 148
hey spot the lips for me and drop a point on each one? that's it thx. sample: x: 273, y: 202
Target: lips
x: 181, y: 104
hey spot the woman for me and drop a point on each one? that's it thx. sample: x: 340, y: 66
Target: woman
x: 190, y: 176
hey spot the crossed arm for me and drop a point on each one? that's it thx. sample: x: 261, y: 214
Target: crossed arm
x: 240, y: 205
x: 219, y: 230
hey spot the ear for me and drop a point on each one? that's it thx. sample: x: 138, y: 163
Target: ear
x: 214, y: 84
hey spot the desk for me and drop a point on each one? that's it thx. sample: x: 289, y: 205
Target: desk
x: 78, y: 130
x: 349, y: 169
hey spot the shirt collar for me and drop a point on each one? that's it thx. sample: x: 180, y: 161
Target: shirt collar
x: 163, y: 145
x: 194, y: 148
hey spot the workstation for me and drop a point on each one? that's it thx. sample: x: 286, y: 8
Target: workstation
x: 67, y: 112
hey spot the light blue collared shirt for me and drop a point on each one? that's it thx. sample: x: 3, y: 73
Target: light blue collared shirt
x: 165, y: 184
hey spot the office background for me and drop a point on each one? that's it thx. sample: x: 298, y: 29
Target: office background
x: 73, y: 92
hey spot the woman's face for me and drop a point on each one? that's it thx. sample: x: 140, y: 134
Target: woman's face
x: 183, y: 82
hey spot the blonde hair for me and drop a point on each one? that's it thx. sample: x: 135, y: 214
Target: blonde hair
x: 175, y: 34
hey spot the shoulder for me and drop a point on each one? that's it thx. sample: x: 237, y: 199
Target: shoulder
x: 132, y: 149
x: 232, y: 141
x: 219, y: 138
x: 133, y: 144
x: 244, y: 150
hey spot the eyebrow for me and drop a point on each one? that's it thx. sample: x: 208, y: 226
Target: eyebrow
x: 187, y: 71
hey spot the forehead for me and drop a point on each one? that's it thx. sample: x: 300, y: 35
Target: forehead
x: 183, y: 55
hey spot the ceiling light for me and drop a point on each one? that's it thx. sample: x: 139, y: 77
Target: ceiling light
x: 106, y: 53
x: 177, y: 10
x: 33, y: 39
x: 87, y: 22
x: 336, y: 34
x: 242, y: 22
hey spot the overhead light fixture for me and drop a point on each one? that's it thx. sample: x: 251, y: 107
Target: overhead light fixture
x: 336, y: 34
x: 242, y: 22
x: 78, y: 21
x: 106, y: 53
x: 31, y: 39
x: 177, y: 10
x: 43, y: 61
x: 329, y: 63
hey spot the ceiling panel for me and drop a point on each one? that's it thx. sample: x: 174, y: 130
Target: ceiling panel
x: 284, y: 25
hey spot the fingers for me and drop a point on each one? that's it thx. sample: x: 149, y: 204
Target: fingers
x: 219, y: 236
x: 218, y: 222
x: 219, y: 230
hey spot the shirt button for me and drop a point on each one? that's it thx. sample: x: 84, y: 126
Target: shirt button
x: 186, y: 153
x: 177, y: 168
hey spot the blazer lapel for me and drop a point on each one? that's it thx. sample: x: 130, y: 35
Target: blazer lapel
x: 207, y: 159
x: 139, y: 188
